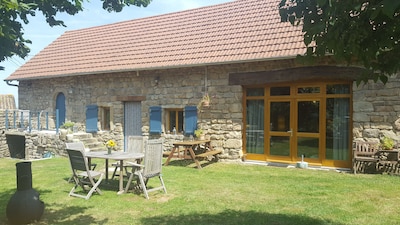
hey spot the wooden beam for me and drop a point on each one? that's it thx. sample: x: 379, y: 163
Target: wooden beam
x: 130, y: 98
x: 311, y: 73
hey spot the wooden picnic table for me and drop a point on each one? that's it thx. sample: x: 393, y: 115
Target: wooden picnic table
x: 192, y: 150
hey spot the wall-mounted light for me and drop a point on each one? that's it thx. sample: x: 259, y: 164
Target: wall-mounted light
x: 156, y: 80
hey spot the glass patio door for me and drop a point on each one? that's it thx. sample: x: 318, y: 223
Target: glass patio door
x: 284, y: 123
x: 294, y: 130
x: 308, y: 135
x: 281, y: 130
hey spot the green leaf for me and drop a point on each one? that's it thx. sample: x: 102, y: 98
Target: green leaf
x: 390, y: 7
x: 383, y: 78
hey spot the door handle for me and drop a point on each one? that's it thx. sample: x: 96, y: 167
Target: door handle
x: 291, y: 132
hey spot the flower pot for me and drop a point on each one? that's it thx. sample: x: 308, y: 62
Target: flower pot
x: 202, y: 137
x: 206, y: 103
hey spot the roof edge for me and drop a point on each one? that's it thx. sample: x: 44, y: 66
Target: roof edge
x: 153, y: 68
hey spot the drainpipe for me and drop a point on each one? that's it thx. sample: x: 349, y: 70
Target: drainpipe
x: 205, y: 80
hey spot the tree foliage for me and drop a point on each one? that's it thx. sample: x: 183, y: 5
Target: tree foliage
x: 358, y: 32
x: 15, y: 12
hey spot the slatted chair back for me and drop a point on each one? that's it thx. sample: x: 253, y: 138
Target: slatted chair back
x: 136, y: 144
x: 364, y: 154
x: 365, y: 149
x: 77, y: 160
x: 82, y: 175
x: 153, y: 158
x: 75, y: 145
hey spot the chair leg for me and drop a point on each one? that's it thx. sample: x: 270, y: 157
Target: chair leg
x: 143, y: 185
x: 115, y: 172
x: 95, y: 188
x: 162, y: 183
x: 129, y: 181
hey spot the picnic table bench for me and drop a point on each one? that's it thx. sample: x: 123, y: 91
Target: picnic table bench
x: 193, y: 150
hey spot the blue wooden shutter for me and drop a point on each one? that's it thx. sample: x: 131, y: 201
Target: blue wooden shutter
x: 91, y: 118
x: 190, y: 120
x: 155, y: 120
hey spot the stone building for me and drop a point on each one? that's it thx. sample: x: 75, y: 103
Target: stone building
x: 147, y: 77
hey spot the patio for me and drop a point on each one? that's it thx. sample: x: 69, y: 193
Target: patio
x: 220, y: 193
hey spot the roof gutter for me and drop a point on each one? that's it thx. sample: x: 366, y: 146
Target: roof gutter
x: 8, y: 82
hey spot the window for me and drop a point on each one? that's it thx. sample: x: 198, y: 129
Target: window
x: 174, y: 119
x: 105, y: 118
x: 184, y: 120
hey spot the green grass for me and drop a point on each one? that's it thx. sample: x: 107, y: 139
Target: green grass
x: 220, y: 193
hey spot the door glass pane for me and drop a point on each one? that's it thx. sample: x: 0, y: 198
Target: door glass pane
x: 308, y: 90
x: 309, y: 147
x: 280, y: 116
x: 338, y: 89
x: 337, y: 128
x: 280, y: 146
x: 278, y: 91
x: 255, y: 92
x: 255, y: 126
x: 308, y: 116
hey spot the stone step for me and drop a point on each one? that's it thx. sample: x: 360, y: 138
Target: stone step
x: 88, y: 140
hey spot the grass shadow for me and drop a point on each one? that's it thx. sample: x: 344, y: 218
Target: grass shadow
x: 234, y: 217
x: 190, y: 163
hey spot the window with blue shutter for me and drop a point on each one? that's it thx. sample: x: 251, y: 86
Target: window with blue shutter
x: 155, y: 120
x: 91, y: 118
x: 190, y: 120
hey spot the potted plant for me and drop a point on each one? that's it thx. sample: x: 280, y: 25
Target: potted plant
x: 199, y: 133
x: 387, y: 143
x: 110, y: 144
x: 205, y: 101
x: 68, y: 126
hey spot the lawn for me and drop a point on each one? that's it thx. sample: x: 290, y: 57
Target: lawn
x: 220, y: 193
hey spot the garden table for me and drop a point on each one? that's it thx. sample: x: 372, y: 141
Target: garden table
x: 194, y: 148
x: 116, y: 155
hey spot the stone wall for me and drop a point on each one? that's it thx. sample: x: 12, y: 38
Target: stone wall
x: 376, y: 110
x: 171, y: 88
x: 376, y: 107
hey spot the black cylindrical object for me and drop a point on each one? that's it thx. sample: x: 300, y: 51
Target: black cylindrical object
x: 16, y: 145
x: 24, y: 206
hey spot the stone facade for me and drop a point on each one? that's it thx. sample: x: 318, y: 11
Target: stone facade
x: 376, y: 110
x: 376, y: 107
x: 170, y: 88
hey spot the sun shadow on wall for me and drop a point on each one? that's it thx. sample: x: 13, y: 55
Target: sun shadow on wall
x: 233, y: 217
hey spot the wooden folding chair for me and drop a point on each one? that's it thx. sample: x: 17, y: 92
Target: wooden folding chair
x: 78, y: 146
x: 82, y: 175
x: 151, y: 167
x: 135, y: 144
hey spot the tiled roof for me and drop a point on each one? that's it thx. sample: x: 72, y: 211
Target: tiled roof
x: 7, y: 101
x: 238, y: 31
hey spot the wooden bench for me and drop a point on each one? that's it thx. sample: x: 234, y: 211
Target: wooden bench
x: 176, y: 153
x: 208, y: 153
x: 364, y: 155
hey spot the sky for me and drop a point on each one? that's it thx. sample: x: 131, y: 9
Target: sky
x: 41, y: 34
